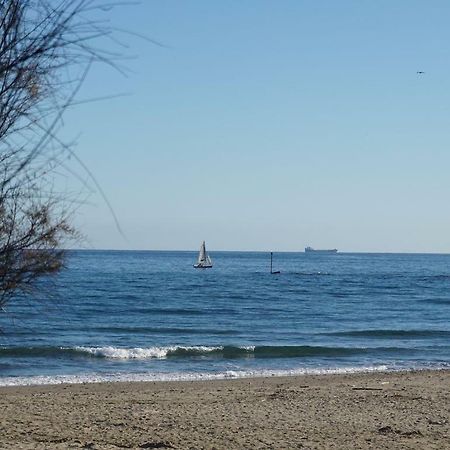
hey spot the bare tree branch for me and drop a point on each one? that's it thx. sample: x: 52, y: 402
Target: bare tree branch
x: 46, y: 50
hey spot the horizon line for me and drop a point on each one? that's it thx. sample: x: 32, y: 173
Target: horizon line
x: 261, y: 251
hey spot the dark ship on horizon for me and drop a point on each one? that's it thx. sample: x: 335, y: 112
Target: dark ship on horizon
x: 313, y: 250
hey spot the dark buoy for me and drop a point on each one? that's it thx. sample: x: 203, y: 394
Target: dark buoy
x: 271, y: 270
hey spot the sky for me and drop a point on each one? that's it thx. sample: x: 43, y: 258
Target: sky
x: 271, y: 125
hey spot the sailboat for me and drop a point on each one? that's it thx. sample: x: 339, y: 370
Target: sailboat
x: 203, y: 261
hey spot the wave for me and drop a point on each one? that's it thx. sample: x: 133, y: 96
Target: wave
x: 170, y: 311
x: 392, y: 334
x: 27, y: 352
x: 312, y: 273
x: 442, y: 276
x: 163, y: 330
x: 437, y: 301
x: 184, y: 376
x: 226, y: 352
x: 166, y: 311
x: 146, y: 353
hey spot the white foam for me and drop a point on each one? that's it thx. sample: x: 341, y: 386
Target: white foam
x: 249, y: 348
x: 141, y: 353
x: 126, y: 353
x: 178, y: 376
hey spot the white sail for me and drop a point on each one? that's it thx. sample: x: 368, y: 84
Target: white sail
x: 202, y: 254
x: 203, y: 261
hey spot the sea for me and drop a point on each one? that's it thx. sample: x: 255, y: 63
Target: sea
x: 150, y: 316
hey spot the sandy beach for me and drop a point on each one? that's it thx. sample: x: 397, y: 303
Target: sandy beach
x: 379, y: 411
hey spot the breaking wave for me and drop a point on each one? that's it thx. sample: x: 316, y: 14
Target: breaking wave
x: 226, y: 352
x: 392, y: 334
x: 181, y: 376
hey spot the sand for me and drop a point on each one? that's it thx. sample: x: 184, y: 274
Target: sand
x: 367, y: 411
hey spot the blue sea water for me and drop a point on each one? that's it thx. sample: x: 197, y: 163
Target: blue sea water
x: 144, y: 315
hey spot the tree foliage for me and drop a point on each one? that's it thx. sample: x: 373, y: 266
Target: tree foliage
x: 46, y: 48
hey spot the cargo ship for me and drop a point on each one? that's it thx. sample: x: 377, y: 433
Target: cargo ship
x: 313, y: 250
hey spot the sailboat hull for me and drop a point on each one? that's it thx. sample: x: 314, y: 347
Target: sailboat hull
x: 202, y: 266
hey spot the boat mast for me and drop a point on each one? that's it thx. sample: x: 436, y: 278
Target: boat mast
x: 271, y: 266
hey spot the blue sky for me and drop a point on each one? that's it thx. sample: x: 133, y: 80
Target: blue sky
x: 272, y: 125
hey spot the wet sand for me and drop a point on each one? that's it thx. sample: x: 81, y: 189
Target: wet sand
x: 367, y: 411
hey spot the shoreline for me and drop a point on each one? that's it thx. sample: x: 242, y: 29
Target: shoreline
x: 97, y: 378
x: 180, y: 377
x: 379, y: 410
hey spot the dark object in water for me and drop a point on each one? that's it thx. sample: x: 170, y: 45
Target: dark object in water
x: 271, y: 271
